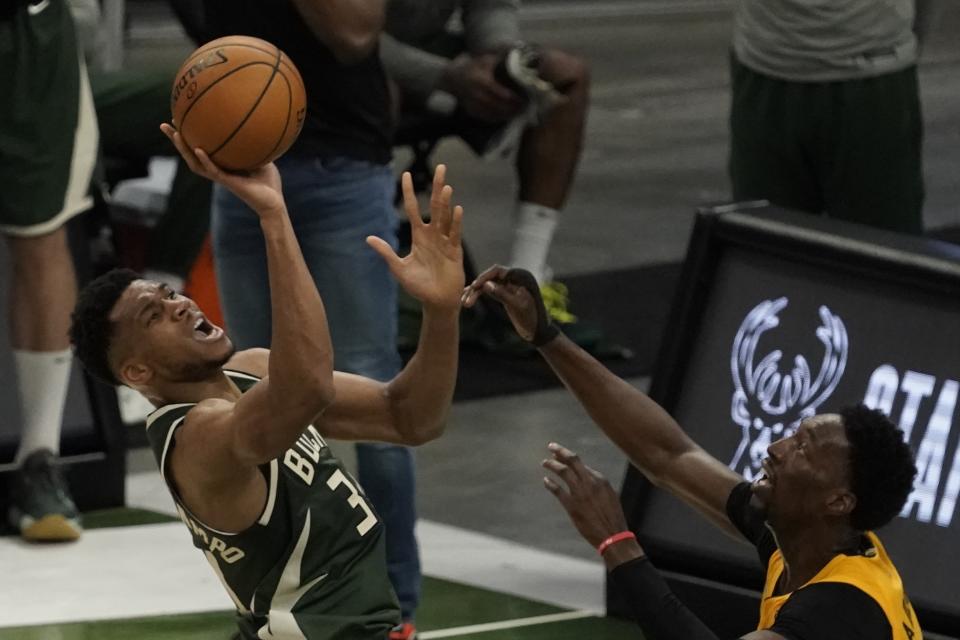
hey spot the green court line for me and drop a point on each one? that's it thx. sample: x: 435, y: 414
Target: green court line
x: 219, y: 626
x: 445, y: 604
x: 123, y: 517
x: 118, y: 517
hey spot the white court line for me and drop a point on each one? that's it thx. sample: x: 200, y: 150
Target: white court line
x: 505, y: 624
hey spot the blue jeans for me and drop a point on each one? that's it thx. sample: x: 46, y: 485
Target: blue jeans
x: 334, y: 204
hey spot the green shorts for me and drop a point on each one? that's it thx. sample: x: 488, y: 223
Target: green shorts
x: 851, y: 149
x: 48, y: 128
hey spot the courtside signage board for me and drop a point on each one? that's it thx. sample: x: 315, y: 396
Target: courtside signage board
x: 780, y: 316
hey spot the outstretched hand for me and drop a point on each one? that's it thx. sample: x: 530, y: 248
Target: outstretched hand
x: 590, y: 501
x: 519, y: 293
x: 433, y: 270
x: 261, y: 188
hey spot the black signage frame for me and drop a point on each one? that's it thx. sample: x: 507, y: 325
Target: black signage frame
x: 904, y: 261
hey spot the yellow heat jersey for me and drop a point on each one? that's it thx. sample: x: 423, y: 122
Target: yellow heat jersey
x: 873, y: 573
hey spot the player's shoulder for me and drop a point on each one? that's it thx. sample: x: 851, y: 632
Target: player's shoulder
x: 255, y: 362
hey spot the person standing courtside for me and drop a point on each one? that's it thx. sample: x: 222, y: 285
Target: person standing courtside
x: 426, y: 58
x: 339, y: 189
x: 48, y: 145
x: 825, y: 116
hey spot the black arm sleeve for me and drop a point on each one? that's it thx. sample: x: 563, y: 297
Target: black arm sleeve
x: 832, y: 611
x: 654, y: 606
x: 749, y: 520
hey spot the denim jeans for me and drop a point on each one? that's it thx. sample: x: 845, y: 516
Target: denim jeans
x: 334, y: 204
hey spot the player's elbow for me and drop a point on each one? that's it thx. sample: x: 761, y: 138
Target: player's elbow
x: 415, y: 427
x: 425, y: 433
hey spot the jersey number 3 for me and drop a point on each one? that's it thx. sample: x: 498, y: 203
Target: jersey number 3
x: 355, y: 500
x: 311, y: 443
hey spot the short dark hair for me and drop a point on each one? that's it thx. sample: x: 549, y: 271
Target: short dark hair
x: 882, y: 468
x: 91, y: 330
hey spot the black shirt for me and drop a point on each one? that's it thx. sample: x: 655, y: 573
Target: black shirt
x: 820, y: 611
x: 348, y: 107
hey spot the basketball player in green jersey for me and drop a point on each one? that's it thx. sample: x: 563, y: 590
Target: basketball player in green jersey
x: 239, y: 437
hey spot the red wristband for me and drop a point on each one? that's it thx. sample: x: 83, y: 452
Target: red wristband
x: 615, y: 538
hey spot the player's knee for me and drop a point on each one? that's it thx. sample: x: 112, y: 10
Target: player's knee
x: 565, y: 71
x: 33, y: 252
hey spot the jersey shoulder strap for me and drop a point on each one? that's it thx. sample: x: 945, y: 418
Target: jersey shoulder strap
x: 242, y: 379
x: 161, y: 425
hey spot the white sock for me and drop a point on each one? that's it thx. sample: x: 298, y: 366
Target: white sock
x: 533, y: 230
x: 42, y: 379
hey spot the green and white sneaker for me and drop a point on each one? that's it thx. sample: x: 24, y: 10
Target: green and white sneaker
x: 41, y: 508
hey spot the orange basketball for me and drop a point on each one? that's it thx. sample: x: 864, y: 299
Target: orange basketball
x: 241, y: 100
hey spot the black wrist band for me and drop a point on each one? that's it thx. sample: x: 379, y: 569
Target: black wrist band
x: 546, y: 331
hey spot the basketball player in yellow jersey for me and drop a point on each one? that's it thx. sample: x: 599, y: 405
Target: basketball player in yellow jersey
x: 810, y: 515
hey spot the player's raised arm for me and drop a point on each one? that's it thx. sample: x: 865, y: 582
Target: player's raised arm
x: 265, y: 421
x: 650, y: 438
x: 412, y: 407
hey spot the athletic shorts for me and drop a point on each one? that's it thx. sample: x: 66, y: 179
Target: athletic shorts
x: 48, y: 128
x: 851, y: 149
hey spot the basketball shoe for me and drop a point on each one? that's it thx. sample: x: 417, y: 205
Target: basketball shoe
x: 41, y: 508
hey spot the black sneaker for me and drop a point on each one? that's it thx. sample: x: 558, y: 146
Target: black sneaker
x: 41, y: 508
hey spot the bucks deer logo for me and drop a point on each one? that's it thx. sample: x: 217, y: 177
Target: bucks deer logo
x: 770, y: 397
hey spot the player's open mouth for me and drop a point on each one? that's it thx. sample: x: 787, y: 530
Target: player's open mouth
x: 766, y: 477
x: 205, y: 331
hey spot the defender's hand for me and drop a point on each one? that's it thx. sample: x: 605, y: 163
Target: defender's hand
x: 261, y: 188
x: 590, y: 501
x: 433, y: 270
x: 519, y: 293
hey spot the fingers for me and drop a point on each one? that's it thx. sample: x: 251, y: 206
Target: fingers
x: 188, y: 156
x: 386, y: 252
x: 558, y: 491
x: 571, y: 460
x: 506, y: 294
x: 440, y: 197
x: 475, y: 289
x: 410, y: 205
x: 209, y: 168
x: 439, y: 181
x: 478, y: 287
x: 456, y: 226
x: 495, y: 272
x: 442, y: 214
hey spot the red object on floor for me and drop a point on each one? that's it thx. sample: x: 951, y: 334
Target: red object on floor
x: 405, y: 631
x: 202, y: 285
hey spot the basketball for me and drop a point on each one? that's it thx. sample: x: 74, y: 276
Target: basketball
x: 241, y: 100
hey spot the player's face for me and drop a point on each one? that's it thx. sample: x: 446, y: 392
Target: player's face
x: 806, y: 476
x: 163, y: 336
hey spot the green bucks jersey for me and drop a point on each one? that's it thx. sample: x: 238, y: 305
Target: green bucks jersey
x: 313, y: 565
